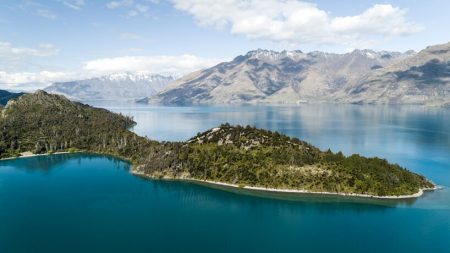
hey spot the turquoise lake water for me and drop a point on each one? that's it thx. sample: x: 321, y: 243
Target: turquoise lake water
x: 91, y: 203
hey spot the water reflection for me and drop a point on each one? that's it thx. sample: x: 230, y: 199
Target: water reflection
x: 198, y: 192
x: 356, y: 124
x: 45, y: 163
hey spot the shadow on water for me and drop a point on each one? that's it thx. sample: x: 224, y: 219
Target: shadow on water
x: 46, y: 163
x: 198, y: 191
x: 43, y: 163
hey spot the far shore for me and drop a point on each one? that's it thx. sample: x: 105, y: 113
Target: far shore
x: 263, y: 189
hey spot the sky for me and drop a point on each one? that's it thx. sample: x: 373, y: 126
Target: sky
x: 45, y: 41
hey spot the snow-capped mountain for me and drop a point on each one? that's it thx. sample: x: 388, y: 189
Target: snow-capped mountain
x: 118, y: 86
x: 264, y: 76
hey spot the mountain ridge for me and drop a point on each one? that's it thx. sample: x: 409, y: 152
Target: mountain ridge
x: 266, y: 76
x: 116, y: 86
x: 421, y: 79
x: 290, y: 77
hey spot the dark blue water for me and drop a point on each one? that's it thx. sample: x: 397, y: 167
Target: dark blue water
x: 90, y: 203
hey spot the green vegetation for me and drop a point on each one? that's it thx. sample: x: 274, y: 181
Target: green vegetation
x: 44, y: 123
x: 256, y: 157
x: 244, y: 156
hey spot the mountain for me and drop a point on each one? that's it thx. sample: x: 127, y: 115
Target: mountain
x: 5, y: 96
x: 120, y: 86
x: 420, y: 79
x: 264, y: 76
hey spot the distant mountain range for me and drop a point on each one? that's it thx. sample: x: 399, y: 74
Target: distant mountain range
x: 5, y: 96
x: 120, y: 86
x: 423, y: 78
x: 361, y: 76
x: 287, y: 77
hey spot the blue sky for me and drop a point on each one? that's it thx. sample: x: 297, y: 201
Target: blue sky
x: 42, y: 41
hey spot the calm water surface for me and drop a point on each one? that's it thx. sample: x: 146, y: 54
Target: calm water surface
x: 90, y: 203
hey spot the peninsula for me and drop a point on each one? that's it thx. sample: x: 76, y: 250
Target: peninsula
x: 235, y: 156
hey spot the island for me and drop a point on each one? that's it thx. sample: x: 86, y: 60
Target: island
x: 232, y: 156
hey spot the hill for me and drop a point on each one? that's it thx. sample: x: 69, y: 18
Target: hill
x: 247, y: 156
x: 46, y: 123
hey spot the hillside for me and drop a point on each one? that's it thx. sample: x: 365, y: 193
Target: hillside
x: 362, y: 76
x: 43, y: 123
x: 247, y: 156
x: 421, y: 79
x: 264, y: 76
x: 46, y: 123
x: 120, y: 86
x: 5, y: 96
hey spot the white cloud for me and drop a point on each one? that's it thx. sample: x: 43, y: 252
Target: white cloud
x: 46, y: 14
x: 118, y: 4
x: 142, y: 8
x: 134, y: 50
x: 298, y: 22
x: 132, y: 13
x: 31, y: 80
x: 15, y: 63
x: 134, y: 8
x: 380, y: 19
x: 130, y: 36
x: 74, y: 4
x: 173, y: 65
x: 8, y: 50
x: 152, y: 64
x: 36, y: 8
x: 138, y: 9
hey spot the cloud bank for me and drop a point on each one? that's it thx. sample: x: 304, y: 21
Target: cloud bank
x: 298, y: 22
x: 168, y: 65
x: 31, y: 80
x: 182, y: 64
x: 44, y: 49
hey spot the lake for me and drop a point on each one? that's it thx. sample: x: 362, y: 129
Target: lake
x: 91, y: 203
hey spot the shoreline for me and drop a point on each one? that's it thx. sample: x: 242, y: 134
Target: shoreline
x: 34, y: 155
x: 263, y: 189
x: 251, y: 188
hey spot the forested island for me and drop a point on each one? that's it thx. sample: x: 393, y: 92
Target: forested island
x: 238, y: 156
